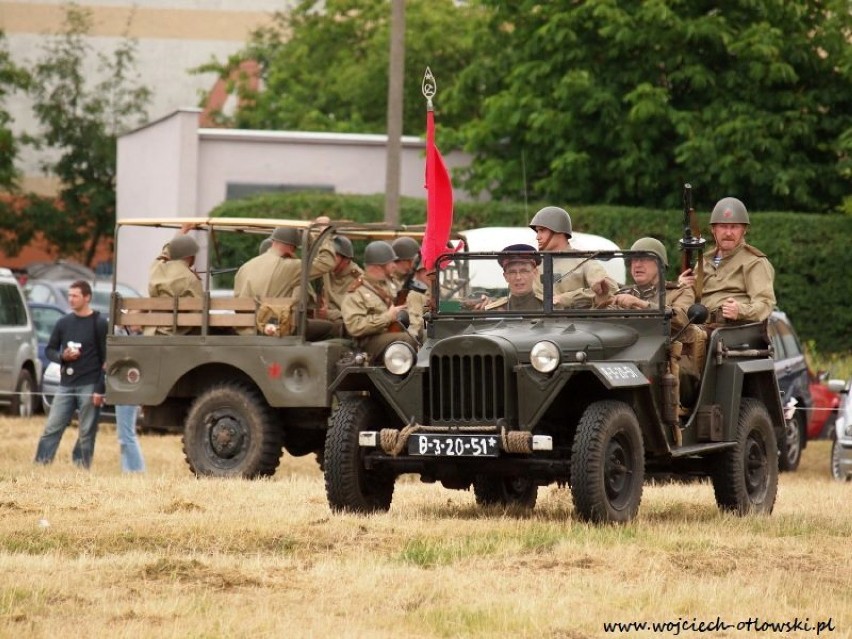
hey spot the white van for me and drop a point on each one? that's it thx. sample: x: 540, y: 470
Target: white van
x: 486, y: 274
x: 20, y: 369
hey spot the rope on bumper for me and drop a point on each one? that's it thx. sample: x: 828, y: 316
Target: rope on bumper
x: 393, y: 441
x: 516, y: 441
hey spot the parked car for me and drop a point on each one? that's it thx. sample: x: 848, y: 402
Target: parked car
x: 841, y: 447
x: 44, y: 318
x: 825, y: 403
x: 55, y: 292
x: 791, y: 369
x: 20, y: 369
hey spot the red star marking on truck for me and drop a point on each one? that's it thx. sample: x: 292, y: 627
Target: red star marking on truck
x: 274, y: 370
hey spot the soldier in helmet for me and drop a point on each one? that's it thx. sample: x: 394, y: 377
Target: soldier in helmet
x: 369, y: 312
x: 407, y: 249
x: 643, y: 293
x: 277, y: 272
x: 738, y: 278
x: 337, y: 282
x: 171, y: 275
x: 577, y: 282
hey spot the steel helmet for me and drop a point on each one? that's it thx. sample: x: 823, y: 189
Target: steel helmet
x: 343, y: 246
x: 379, y: 252
x: 553, y: 218
x: 287, y: 235
x: 729, y: 210
x: 182, y: 246
x: 264, y: 246
x: 652, y: 245
x: 406, y: 248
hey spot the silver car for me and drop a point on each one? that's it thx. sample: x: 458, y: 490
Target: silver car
x: 841, y: 448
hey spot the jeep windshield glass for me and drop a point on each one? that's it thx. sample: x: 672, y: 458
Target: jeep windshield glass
x: 533, y: 283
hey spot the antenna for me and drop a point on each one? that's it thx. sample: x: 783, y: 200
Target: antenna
x: 524, y: 174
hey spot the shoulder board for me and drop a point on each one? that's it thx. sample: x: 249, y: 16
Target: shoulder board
x: 354, y: 286
x: 754, y: 251
x: 672, y: 286
x: 496, y: 303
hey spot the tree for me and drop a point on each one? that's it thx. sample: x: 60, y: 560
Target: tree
x: 620, y: 102
x: 324, y: 65
x: 81, y: 122
x: 12, y: 78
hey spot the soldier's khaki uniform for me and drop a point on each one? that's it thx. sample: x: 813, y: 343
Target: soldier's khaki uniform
x: 270, y: 275
x: 336, y: 286
x: 417, y: 304
x: 678, y: 298
x: 574, y: 277
x: 367, y: 318
x: 745, y: 275
x: 529, y: 302
x: 172, y: 278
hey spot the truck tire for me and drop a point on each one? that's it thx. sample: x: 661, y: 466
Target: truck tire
x: 230, y: 432
x: 23, y: 400
x: 505, y: 491
x: 791, y: 448
x: 745, y: 477
x: 348, y: 485
x: 607, y: 463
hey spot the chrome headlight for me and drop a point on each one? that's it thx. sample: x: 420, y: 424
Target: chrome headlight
x: 545, y: 357
x: 399, y: 358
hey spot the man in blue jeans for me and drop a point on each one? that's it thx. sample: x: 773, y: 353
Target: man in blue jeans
x: 78, y: 344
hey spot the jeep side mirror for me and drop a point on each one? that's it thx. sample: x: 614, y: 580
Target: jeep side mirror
x: 697, y: 313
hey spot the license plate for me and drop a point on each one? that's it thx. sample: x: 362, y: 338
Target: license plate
x: 446, y: 445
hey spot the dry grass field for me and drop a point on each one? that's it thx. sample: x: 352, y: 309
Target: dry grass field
x: 100, y: 554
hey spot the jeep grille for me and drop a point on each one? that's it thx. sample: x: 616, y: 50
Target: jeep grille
x: 467, y: 388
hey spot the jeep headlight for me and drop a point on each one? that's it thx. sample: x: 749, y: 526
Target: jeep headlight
x: 544, y: 357
x: 399, y: 358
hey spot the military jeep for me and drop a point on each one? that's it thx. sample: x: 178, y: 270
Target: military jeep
x: 507, y: 401
x: 237, y: 395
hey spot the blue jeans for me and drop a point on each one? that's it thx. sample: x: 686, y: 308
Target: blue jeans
x: 67, y: 400
x: 131, y: 453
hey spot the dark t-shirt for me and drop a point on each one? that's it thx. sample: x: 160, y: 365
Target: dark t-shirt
x: 90, y: 332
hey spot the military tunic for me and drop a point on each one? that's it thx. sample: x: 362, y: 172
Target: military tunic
x: 572, y: 288
x: 336, y: 286
x: 417, y: 304
x: 367, y: 317
x: 745, y: 275
x: 678, y: 298
x: 270, y: 275
x: 172, y: 278
x: 529, y: 302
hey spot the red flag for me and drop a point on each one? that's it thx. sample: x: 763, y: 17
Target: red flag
x: 439, y: 201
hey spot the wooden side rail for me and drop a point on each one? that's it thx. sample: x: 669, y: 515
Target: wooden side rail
x: 233, y: 312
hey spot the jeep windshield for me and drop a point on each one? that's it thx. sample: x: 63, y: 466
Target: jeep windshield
x: 538, y: 283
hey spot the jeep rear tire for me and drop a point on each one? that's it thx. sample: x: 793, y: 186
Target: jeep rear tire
x: 348, y: 485
x: 791, y: 447
x: 520, y: 492
x: 607, y: 463
x: 23, y: 400
x: 745, y: 477
x: 230, y: 432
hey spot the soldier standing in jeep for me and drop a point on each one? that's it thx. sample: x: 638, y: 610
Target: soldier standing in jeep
x: 581, y: 283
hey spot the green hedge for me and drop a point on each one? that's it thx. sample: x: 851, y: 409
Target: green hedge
x: 813, y: 270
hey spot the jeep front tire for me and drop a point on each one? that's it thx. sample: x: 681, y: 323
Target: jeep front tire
x: 607, y: 463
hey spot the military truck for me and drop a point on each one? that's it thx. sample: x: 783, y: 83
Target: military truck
x: 507, y: 401
x: 238, y: 398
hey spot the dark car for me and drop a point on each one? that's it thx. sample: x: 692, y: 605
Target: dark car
x: 55, y: 292
x: 794, y: 382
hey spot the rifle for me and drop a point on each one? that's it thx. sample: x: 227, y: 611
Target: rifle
x: 410, y: 284
x: 692, y: 244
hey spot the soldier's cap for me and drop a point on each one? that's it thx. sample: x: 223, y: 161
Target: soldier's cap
x: 518, y: 248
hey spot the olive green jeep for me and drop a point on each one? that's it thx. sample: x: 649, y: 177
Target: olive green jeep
x: 506, y: 401
x: 239, y: 396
